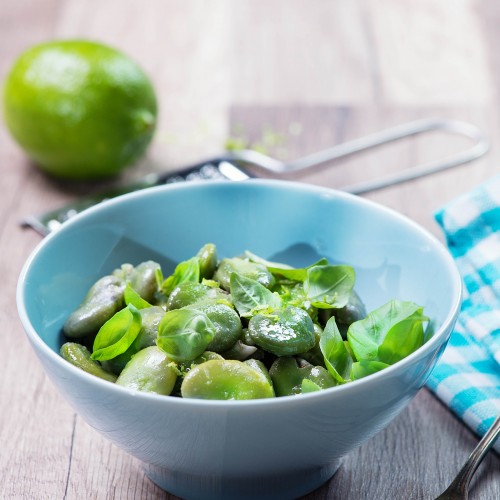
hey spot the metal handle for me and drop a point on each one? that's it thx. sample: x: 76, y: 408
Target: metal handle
x: 459, y: 487
x: 233, y: 167
x: 479, y: 148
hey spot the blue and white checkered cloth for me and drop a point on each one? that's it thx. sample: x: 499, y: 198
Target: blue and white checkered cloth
x: 467, y: 378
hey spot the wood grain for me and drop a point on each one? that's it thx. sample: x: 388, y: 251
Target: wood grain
x: 314, y: 72
x: 431, y: 54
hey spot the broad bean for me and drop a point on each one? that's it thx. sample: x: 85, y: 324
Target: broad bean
x: 226, y: 322
x: 241, y: 328
x: 104, y: 299
x: 79, y: 356
x: 314, y: 355
x: 150, y: 370
x: 240, y: 351
x: 257, y: 272
x: 288, y: 376
x: 207, y: 256
x: 353, y: 311
x: 189, y: 293
x: 225, y: 379
x: 142, y: 278
x: 283, y: 333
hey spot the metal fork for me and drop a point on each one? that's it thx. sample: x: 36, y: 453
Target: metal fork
x: 459, y: 488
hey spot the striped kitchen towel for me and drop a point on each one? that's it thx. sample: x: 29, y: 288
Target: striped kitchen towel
x: 467, y: 378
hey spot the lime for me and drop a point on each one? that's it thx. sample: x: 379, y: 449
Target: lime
x: 79, y: 109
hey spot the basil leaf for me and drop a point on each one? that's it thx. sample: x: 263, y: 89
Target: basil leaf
x: 259, y: 260
x: 389, y: 333
x: 329, y: 287
x: 184, y: 334
x: 299, y: 274
x: 189, y: 270
x: 249, y: 296
x: 252, y: 270
x: 284, y: 270
x: 132, y: 297
x: 117, y: 334
x: 338, y: 361
x: 364, y: 368
x: 403, y: 338
x: 309, y: 386
x: 290, y: 274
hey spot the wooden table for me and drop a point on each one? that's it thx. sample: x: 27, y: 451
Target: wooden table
x: 313, y: 73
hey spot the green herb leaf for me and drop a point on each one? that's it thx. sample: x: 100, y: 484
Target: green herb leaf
x: 259, y: 260
x: 117, y: 334
x: 364, y: 368
x: 389, y: 333
x: 329, y: 287
x: 159, y: 278
x: 245, y: 267
x: 189, y: 270
x: 299, y: 274
x: 132, y: 297
x: 338, y: 361
x: 184, y: 334
x: 284, y: 270
x: 249, y: 296
x: 403, y: 338
x: 309, y: 386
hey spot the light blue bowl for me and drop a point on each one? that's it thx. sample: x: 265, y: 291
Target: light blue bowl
x: 281, y: 448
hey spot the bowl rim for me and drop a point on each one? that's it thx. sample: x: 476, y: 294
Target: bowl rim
x: 440, y: 336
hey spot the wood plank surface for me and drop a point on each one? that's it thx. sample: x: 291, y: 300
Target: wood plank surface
x: 292, y: 76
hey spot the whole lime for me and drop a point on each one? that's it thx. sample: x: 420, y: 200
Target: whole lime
x: 79, y: 109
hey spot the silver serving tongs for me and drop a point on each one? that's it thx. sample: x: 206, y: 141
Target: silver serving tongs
x: 241, y: 165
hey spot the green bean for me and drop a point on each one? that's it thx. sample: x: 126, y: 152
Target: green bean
x: 241, y: 328
x: 206, y: 356
x: 249, y: 269
x: 189, y: 293
x: 239, y: 351
x: 261, y: 368
x: 288, y: 376
x: 104, y: 299
x: 142, y: 278
x: 283, y: 333
x: 225, y: 379
x: 150, y: 370
x: 227, y: 325
x: 207, y: 256
x: 79, y: 356
x: 314, y: 355
x: 353, y: 311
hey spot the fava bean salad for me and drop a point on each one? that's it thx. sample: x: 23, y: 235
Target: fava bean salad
x: 236, y: 328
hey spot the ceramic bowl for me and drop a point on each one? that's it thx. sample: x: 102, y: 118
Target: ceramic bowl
x: 279, y: 448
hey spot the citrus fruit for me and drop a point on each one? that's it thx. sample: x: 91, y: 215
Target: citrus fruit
x: 79, y: 109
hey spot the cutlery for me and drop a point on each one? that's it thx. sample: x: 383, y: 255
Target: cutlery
x: 459, y: 488
x: 241, y: 165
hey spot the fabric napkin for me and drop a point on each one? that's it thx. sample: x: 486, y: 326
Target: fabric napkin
x: 467, y: 378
